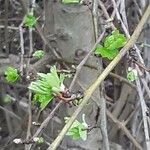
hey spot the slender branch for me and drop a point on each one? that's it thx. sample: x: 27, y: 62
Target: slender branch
x: 103, y: 75
x: 144, y: 110
x: 125, y: 130
x: 9, y: 27
x: 45, y: 123
x: 28, y: 64
x: 79, y: 67
x: 144, y: 82
x: 22, y: 48
x: 122, y: 79
x: 127, y: 34
x: 106, y: 13
x: 11, y: 113
x: 103, y: 123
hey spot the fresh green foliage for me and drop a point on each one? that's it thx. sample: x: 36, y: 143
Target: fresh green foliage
x: 29, y: 20
x: 39, y: 54
x: 70, y: 1
x: 105, y: 53
x: 38, y: 140
x: 132, y: 75
x: 78, y: 130
x: 111, y: 45
x: 42, y: 99
x: 11, y: 75
x: 46, y: 86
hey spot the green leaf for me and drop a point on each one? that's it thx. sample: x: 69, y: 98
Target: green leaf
x: 11, y: 75
x: 29, y: 20
x: 70, y: 1
x: 77, y: 130
x: 114, y: 41
x: 111, y: 45
x: 44, y: 100
x: 105, y: 53
x: 131, y: 76
x: 83, y: 133
x: 45, y: 87
x: 39, y: 54
x: 38, y: 140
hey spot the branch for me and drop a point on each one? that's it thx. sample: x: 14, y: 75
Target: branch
x: 45, y: 123
x: 79, y: 67
x: 144, y: 110
x: 104, y: 74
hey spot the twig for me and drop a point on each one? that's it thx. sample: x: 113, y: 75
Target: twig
x: 37, y: 26
x: 103, y: 120
x: 144, y: 110
x: 11, y: 113
x: 28, y: 64
x: 106, y: 13
x: 103, y: 75
x: 22, y: 48
x: 123, y: 12
x: 10, y: 27
x: 142, y: 66
x: 125, y: 130
x: 79, y: 67
x: 94, y: 13
x: 122, y: 79
x: 127, y: 34
x: 144, y: 82
x: 6, y: 25
x: 45, y: 123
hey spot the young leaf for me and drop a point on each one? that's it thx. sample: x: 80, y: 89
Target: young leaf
x: 111, y: 45
x: 11, y: 75
x: 45, y: 87
x: 39, y: 54
x: 106, y: 53
x: 38, y: 140
x: 77, y: 130
x: 70, y: 1
x: 29, y: 20
x: 114, y: 41
x: 132, y: 75
x: 44, y: 100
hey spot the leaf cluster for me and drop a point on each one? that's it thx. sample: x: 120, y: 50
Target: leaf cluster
x: 132, y: 75
x: 112, y: 43
x: 45, y: 87
x: 29, y: 20
x: 11, y: 75
x: 38, y: 54
x: 77, y: 130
